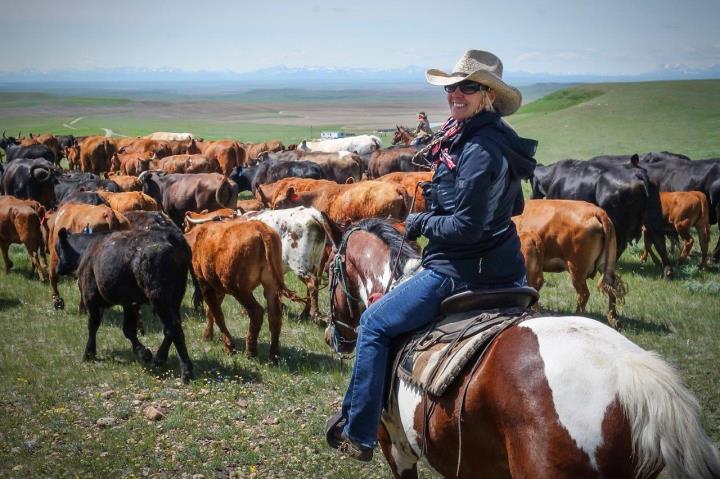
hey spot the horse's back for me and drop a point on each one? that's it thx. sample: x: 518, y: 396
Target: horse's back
x: 561, y: 397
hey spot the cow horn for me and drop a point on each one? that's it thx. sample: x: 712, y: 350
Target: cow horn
x: 4, y: 137
x: 143, y: 174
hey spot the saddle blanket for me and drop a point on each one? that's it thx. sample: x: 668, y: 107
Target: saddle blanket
x: 433, y: 358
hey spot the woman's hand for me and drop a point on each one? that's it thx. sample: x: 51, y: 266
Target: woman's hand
x: 414, y: 224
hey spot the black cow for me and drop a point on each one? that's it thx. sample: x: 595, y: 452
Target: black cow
x: 180, y: 193
x: 72, y: 182
x: 33, y: 179
x: 622, y: 189
x: 86, y: 197
x: 14, y: 152
x: 131, y: 268
x: 65, y: 141
x: 270, y: 171
x: 697, y: 175
x: 7, y: 141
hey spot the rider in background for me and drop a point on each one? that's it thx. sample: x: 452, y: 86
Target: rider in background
x: 472, y: 243
x: 423, y: 129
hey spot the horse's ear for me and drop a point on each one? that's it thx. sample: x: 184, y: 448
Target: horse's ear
x: 332, y: 229
x: 635, y: 160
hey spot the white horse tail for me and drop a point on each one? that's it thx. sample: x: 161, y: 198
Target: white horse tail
x: 665, y: 420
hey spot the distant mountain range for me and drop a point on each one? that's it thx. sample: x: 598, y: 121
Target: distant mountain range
x: 308, y: 76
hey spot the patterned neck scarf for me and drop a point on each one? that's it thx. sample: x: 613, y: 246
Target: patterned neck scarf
x: 438, y: 150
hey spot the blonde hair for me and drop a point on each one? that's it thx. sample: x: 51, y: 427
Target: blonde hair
x: 487, y: 103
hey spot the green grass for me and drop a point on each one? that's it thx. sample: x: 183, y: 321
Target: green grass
x: 626, y: 118
x: 246, y: 418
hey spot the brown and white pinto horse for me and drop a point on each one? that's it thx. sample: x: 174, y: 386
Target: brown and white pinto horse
x: 554, y: 397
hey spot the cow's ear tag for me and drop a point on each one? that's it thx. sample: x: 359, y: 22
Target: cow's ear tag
x: 294, y: 197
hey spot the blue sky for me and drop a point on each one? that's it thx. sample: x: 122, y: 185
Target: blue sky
x: 609, y: 37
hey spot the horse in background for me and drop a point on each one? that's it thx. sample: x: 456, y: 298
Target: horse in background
x: 559, y: 397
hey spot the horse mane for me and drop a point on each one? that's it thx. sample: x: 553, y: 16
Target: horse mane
x: 392, y: 238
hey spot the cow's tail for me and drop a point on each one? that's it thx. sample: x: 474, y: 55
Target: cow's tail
x: 664, y: 418
x: 704, y: 214
x: 273, y: 258
x: 610, y: 283
x: 197, y: 297
x: 226, y: 194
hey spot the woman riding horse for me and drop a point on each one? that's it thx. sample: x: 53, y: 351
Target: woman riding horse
x: 479, y: 162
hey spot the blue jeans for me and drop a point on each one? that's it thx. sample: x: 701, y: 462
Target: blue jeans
x: 410, y: 306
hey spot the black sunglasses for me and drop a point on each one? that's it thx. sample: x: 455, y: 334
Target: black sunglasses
x: 468, y: 88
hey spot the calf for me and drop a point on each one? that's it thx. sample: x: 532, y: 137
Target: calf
x: 234, y: 257
x: 21, y: 221
x: 573, y: 236
x: 683, y: 210
x: 131, y: 268
x: 77, y: 218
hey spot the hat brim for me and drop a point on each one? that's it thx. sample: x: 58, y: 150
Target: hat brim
x: 507, y: 98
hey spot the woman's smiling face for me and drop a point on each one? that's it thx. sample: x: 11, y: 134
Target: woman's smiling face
x: 465, y: 105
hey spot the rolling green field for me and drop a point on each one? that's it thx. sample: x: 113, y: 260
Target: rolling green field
x: 61, y: 417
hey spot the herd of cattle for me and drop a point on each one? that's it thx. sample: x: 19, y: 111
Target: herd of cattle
x: 133, y: 216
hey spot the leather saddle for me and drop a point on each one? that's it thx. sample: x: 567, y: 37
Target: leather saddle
x: 433, y: 357
x: 473, y: 300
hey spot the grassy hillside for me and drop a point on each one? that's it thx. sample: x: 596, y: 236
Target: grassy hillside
x: 585, y: 121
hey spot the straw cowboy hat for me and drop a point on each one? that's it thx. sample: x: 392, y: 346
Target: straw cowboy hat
x: 484, y: 68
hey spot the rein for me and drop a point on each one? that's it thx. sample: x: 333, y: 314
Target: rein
x: 340, y: 278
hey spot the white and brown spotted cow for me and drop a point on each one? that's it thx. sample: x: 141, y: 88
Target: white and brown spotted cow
x: 304, y: 233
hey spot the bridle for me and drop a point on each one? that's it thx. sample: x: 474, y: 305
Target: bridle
x: 340, y: 278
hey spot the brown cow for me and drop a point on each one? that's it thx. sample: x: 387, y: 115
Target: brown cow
x: 235, y: 257
x: 573, y: 236
x: 125, y: 182
x: 22, y: 221
x: 250, y: 205
x: 73, y: 156
x: 266, y: 193
x: 339, y: 166
x: 228, y: 153
x: 179, y: 193
x: 390, y: 160
x: 146, y: 147
x: 76, y: 217
x: 96, y: 153
x: 409, y: 182
x: 130, y: 201
x: 255, y: 149
x: 683, y: 210
x: 345, y: 204
x: 181, y: 164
